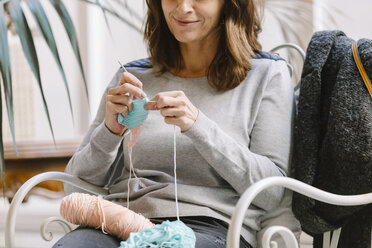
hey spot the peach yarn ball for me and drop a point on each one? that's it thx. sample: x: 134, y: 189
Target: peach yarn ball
x: 87, y: 210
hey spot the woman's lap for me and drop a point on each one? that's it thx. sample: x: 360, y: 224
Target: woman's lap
x: 85, y: 237
x: 209, y: 233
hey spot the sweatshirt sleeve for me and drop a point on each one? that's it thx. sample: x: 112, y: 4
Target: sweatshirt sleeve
x: 269, y: 151
x: 98, y: 150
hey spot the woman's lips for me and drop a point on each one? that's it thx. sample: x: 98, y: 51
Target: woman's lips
x: 185, y: 22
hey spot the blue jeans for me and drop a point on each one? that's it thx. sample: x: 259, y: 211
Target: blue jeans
x: 209, y: 232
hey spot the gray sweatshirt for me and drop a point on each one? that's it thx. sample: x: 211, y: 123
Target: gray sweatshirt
x: 240, y: 137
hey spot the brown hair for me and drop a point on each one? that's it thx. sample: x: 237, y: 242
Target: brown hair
x: 239, y: 27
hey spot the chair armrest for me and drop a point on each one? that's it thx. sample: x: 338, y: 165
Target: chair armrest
x: 233, y: 234
x: 29, y: 184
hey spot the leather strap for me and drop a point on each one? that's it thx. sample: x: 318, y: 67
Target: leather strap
x: 361, y: 69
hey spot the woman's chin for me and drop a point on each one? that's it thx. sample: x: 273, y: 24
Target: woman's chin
x: 186, y: 39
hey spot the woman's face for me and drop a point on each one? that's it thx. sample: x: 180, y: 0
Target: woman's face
x: 192, y: 21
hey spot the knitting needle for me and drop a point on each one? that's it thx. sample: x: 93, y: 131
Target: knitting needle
x: 121, y: 65
x: 125, y: 70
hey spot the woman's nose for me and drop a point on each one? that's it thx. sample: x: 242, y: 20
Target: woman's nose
x: 185, y: 6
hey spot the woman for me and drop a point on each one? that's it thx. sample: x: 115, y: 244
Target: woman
x: 234, y: 109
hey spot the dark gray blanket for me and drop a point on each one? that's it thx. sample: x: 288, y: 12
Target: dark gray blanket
x: 333, y: 138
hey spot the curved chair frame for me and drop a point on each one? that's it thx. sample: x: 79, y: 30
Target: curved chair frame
x: 290, y: 67
x: 246, y: 199
x: 233, y: 235
x: 27, y: 186
x: 290, y: 45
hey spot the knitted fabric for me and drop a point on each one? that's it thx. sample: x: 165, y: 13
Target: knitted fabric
x: 168, y: 234
x: 137, y: 116
x: 333, y: 137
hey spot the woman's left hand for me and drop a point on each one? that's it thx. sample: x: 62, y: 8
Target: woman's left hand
x: 176, y: 108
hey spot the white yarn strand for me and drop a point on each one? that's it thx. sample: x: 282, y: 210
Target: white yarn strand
x: 130, y: 168
x: 175, y: 170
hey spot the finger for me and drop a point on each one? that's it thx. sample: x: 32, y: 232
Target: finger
x: 170, y: 101
x: 119, y: 108
x: 174, y: 93
x: 151, y: 105
x: 127, y: 88
x: 127, y: 77
x: 172, y: 112
x: 164, y: 99
x: 178, y: 121
x: 121, y: 99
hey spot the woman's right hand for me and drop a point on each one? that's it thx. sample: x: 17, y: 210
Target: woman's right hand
x: 118, y: 100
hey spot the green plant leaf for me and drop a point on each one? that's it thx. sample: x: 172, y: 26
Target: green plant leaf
x: 70, y: 30
x: 5, y: 69
x: 46, y: 31
x: 28, y: 46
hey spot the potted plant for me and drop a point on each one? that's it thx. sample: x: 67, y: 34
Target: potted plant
x: 13, y: 18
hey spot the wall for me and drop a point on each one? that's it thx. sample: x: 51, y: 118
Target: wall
x: 105, y: 48
x: 352, y: 17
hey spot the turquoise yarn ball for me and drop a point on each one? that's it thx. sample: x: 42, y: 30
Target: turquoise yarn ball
x: 137, y: 116
x: 168, y: 234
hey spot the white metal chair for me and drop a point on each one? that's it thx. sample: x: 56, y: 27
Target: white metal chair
x: 238, y: 215
x: 236, y: 220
